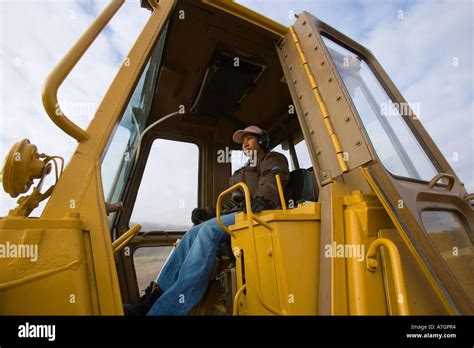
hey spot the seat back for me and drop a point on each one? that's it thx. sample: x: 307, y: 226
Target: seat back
x: 302, y: 186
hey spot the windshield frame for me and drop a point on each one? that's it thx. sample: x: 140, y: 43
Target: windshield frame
x: 148, y: 77
x: 421, y: 136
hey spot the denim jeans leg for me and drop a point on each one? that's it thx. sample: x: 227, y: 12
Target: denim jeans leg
x: 195, y: 271
x: 170, y: 271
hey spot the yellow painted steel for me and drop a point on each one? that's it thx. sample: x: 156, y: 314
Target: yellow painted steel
x: 154, y: 4
x: 248, y: 203
x: 397, y: 270
x: 250, y: 218
x: 64, y: 67
x: 284, y: 259
x: 363, y: 216
x: 280, y: 191
x: 63, y: 268
x: 248, y: 15
x: 320, y: 102
x: 442, y: 297
x: 235, y: 309
x: 123, y: 240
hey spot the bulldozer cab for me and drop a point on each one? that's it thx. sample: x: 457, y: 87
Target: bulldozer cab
x: 374, y: 221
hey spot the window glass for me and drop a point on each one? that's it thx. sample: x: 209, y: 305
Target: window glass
x: 280, y: 149
x: 393, y: 141
x: 169, y: 188
x: 302, y: 153
x: 148, y: 262
x: 451, y: 238
x: 119, y: 156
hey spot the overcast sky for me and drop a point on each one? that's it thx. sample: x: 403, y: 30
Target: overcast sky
x: 425, y: 47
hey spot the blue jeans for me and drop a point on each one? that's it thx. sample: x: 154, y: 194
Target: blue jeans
x: 186, y: 275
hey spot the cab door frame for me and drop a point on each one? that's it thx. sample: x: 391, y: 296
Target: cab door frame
x: 346, y: 132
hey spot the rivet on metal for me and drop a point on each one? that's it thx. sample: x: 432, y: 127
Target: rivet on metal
x: 236, y: 252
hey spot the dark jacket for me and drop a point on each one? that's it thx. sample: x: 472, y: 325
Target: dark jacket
x: 260, y: 179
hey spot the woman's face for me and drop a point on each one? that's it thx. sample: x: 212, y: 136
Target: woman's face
x: 250, y: 144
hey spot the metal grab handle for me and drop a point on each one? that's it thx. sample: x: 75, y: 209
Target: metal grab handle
x: 451, y: 180
x: 123, y: 240
x: 280, y: 192
x: 276, y: 171
x: 235, y: 309
x: 250, y: 218
x: 248, y: 203
x: 154, y: 4
x: 468, y: 197
x: 397, y: 270
x: 64, y: 67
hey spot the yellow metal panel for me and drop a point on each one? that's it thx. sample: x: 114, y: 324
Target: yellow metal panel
x: 248, y: 15
x: 448, y: 307
x: 61, y: 268
x: 363, y: 217
x: 422, y: 298
x: 288, y: 258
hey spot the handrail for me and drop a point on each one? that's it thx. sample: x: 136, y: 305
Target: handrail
x: 235, y: 309
x: 248, y: 203
x: 154, y: 4
x: 397, y: 270
x: 123, y: 240
x: 437, y: 177
x: 64, y: 67
x: 250, y: 218
x: 280, y: 192
x: 468, y: 197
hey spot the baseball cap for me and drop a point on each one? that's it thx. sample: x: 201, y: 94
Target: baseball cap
x: 237, y: 137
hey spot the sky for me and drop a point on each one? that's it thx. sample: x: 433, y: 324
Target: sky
x: 426, y: 47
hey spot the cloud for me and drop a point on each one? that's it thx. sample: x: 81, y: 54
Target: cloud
x: 429, y: 56
x: 35, y: 36
x: 168, y: 193
x: 416, y: 42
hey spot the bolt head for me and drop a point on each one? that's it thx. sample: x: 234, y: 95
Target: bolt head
x: 236, y: 251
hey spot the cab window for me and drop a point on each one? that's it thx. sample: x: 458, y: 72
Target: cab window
x: 454, y: 241
x: 393, y: 141
x: 169, y: 187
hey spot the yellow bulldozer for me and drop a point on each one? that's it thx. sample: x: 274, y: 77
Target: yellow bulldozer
x: 377, y: 222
